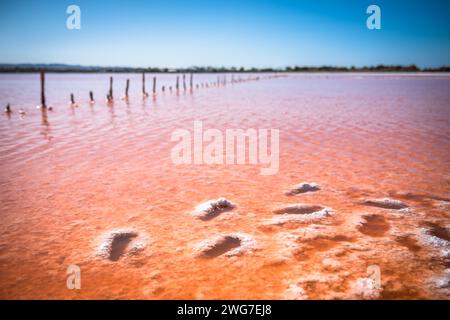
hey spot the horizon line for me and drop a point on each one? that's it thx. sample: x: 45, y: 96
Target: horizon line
x: 63, y: 67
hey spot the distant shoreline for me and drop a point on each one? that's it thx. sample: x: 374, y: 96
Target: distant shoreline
x: 63, y: 68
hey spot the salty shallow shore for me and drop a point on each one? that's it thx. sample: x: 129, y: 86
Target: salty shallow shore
x: 66, y: 182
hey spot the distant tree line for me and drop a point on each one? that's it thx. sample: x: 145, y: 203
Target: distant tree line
x: 4, y: 68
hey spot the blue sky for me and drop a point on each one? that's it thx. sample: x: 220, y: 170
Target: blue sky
x: 260, y: 33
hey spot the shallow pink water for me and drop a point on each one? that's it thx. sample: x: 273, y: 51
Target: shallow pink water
x: 71, y: 175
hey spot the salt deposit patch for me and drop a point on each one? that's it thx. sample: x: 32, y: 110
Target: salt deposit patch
x: 440, y: 232
x: 385, y: 203
x: 299, y: 213
x: 212, y: 208
x: 233, y: 244
x: 118, y: 242
x: 436, y: 236
x: 298, y: 209
x: 303, y: 187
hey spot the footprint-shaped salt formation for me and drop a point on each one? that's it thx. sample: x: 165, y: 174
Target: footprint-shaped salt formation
x: 303, y: 187
x: 373, y: 225
x: 437, y: 237
x: 118, y: 242
x: 299, y: 213
x: 229, y: 245
x: 298, y: 209
x: 212, y: 208
x: 385, y: 203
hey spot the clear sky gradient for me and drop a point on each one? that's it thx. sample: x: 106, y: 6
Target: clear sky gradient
x: 259, y: 33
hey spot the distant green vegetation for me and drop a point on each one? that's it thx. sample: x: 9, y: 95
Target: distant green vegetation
x: 4, y: 68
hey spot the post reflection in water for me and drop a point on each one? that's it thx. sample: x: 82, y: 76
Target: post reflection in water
x: 45, y: 125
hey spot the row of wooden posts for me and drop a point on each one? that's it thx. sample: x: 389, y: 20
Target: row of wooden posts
x: 110, y: 98
x: 221, y: 80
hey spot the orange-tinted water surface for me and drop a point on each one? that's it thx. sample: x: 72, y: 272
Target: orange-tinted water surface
x: 71, y: 175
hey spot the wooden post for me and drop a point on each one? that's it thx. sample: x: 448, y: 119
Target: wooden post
x: 143, y: 85
x: 91, y: 97
x: 163, y: 88
x: 191, y: 81
x: 72, y: 99
x: 184, y: 82
x: 177, y: 86
x: 110, y: 88
x: 154, y: 85
x: 126, y: 88
x: 43, y: 105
